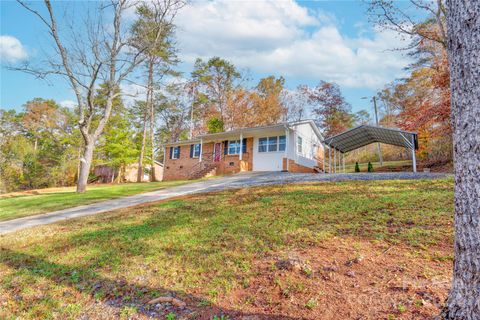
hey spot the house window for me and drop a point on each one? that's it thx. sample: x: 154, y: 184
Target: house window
x: 262, y: 144
x: 272, y: 144
x: 234, y: 147
x: 196, y: 150
x: 176, y: 152
x: 299, y: 144
x: 282, y: 143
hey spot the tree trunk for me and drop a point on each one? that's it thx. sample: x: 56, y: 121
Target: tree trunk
x: 142, y: 150
x: 152, y: 118
x: 85, y: 163
x: 463, y: 22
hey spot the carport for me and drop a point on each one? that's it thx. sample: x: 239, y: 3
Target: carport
x: 364, y: 135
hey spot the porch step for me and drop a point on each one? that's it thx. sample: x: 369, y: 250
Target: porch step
x: 317, y: 169
x: 204, y: 172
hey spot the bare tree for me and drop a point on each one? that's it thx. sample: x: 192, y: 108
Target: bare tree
x: 463, y: 20
x: 96, y: 52
x: 394, y: 15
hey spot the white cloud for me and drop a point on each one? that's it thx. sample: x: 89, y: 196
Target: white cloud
x: 11, y: 49
x: 284, y: 38
x: 68, y: 104
x: 132, y: 92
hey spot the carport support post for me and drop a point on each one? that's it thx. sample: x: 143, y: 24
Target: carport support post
x: 201, y: 150
x: 329, y: 159
x: 414, y: 158
x: 334, y: 160
x: 343, y: 162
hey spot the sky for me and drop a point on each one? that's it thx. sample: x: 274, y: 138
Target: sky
x: 304, y: 42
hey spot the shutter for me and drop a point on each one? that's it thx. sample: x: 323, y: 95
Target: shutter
x: 179, y: 152
x: 244, y: 145
x: 191, y: 151
x: 225, y: 147
x: 171, y: 152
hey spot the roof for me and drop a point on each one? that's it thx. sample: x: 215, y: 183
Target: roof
x: 364, y: 135
x: 235, y: 132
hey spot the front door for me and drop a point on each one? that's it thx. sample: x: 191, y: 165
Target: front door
x: 217, y: 155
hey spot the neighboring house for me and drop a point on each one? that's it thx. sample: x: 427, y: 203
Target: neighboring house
x: 107, y: 174
x: 293, y: 147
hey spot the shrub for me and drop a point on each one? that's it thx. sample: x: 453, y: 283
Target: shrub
x: 370, y: 167
x: 357, y: 167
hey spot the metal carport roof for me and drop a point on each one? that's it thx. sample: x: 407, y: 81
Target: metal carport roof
x: 364, y: 135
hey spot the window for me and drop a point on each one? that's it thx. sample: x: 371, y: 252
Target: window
x: 299, y: 145
x: 272, y: 144
x: 176, y: 152
x: 282, y: 143
x: 196, y: 150
x: 262, y: 145
x: 234, y: 147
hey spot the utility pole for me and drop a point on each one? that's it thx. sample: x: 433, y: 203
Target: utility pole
x: 376, y: 121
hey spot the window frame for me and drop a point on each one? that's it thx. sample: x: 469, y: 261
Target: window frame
x: 194, y: 150
x: 299, y: 144
x: 237, y: 147
x: 174, y: 152
x: 266, y: 145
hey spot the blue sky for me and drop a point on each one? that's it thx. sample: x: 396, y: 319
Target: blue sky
x: 303, y: 41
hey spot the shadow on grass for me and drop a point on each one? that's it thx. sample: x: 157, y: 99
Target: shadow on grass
x: 118, y: 293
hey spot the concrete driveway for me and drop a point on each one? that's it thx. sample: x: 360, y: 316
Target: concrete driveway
x: 241, y: 180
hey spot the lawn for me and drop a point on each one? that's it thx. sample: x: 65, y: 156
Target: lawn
x: 350, y: 167
x: 347, y: 250
x: 17, y: 205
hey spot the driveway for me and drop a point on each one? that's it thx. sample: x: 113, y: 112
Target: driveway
x: 241, y: 180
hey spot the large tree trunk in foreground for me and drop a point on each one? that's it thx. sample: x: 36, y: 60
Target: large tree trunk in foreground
x: 85, y: 164
x: 463, y: 21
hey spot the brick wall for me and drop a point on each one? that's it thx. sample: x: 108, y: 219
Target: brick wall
x: 182, y: 168
x: 295, y: 167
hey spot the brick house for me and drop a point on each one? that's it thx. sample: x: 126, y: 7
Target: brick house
x: 292, y: 146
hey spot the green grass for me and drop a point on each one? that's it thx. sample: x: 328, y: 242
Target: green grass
x: 350, y: 167
x: 205, y: 245
x: 12, y: 207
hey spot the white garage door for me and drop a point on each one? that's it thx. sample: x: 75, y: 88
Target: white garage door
x: 267, y: 161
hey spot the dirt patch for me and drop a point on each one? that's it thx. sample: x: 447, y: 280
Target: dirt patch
x: 346, y: 280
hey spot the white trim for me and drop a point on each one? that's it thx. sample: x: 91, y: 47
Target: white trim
x: 173, y: 153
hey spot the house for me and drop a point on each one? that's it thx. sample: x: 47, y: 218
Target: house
x: 291, y: 146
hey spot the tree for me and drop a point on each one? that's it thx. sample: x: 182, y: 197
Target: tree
x: 392, y: 15
x: 95, y: 55
x: 154, y: 30
x: 463, y: 21
x: 215, y: 125
x: 268, y: 104
x: 215, y: 81
x: 330, y: 108
x: 296, y: 103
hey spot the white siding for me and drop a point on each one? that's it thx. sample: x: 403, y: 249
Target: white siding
x: 310, y: 142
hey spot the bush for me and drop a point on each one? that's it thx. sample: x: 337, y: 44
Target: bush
x: 370, y: 167
x: 357, y: 168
